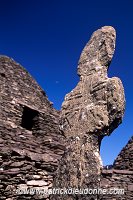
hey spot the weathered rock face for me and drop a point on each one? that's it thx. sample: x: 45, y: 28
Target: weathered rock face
x: 30, y: 140
x: 90, y: 111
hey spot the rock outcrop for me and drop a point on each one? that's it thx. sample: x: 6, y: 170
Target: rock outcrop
x: 90, y: 111
x: 41, y: 148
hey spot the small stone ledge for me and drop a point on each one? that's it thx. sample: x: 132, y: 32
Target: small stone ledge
x: 117, y: 171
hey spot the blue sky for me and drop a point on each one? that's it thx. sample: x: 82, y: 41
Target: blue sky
x: 47, y: 37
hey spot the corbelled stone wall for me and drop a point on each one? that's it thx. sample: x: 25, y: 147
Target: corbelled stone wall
x: 124, y: 161
x: 41, y: 148
x: 30, y: 140
x: 121, y: 175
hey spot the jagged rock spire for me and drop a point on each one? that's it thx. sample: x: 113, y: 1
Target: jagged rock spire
x: 93, y: 109
x: 98, y: 52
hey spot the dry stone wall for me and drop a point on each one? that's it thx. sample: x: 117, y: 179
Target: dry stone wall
x: 41, y: 148
x: 121, y: 174
x: 30, y: 140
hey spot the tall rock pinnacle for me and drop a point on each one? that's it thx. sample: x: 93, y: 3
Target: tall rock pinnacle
x: 92, y: 110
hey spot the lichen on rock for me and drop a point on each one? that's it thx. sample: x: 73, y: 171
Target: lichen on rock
x: 92, y: 110
x: 42, y: 148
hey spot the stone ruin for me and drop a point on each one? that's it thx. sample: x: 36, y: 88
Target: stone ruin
x: 42, y: 148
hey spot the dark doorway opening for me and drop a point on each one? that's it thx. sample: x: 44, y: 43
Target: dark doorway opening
x: 28, y: 118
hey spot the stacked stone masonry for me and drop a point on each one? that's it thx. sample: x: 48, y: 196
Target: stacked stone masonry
x: 41, y: 148
x: 30, y: 140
